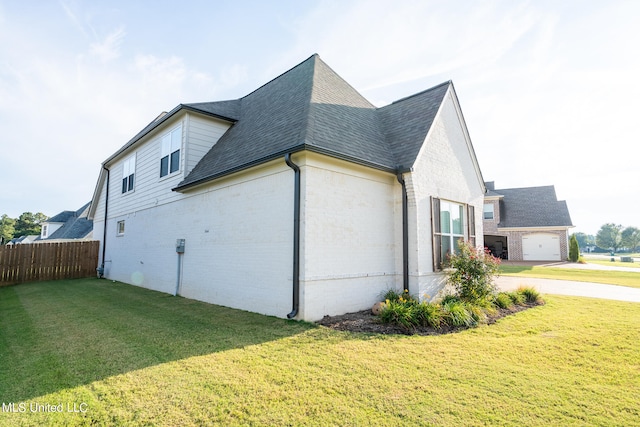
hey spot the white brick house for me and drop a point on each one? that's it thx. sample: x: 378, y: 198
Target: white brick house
x: 300, y: 199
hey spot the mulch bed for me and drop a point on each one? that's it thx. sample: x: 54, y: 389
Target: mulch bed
x: 367, y: 322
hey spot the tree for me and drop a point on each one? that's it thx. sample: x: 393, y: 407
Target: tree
x: 609, y: 237
x: 7, y: 228
x: 29, y: 223
x: 585, y: 240
x: 631, y: 238
x: 574, y: 249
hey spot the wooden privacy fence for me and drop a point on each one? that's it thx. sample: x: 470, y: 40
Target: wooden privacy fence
x: 48, y: 261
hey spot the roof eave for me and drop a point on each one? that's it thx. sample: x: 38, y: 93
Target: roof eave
x: 295, y: 149
x: 171, y: 114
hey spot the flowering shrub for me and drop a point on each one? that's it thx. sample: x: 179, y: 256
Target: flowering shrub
x: 471, y: 272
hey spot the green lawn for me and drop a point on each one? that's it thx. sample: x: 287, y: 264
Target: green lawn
x: 129, y: 356
x: 622, y: 278
x: 616, y: 263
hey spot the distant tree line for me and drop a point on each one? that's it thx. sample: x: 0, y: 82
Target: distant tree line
x: 611, y: 237
x: 25, y: 225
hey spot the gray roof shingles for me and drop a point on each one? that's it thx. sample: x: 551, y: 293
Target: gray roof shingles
x: 311, y: 108
x: 76, y: 225
x: 532, y: 207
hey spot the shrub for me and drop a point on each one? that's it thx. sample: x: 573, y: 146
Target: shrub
x: 430, y: 314
x: 477, y: 313
x: 516, y: 297
x: 530, y: 295
x: 456, y: 314
x: 399, y: 312
x: 449, y: 298
x: 391, y: 295
x: 503, y: 300
x: 574, y: 249
x: 472, y: 272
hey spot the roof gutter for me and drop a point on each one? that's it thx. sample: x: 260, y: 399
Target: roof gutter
x: 186, y: 187
x: 296, y: 236
x: 405, y: 233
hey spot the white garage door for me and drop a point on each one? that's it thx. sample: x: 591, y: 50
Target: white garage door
x: 541, y: 247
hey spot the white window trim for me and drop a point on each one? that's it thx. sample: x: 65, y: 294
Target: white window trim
x: 485, y: 211
x: 171, y: 142
x: 128, y: 170
x: 120, y: 228
x: 437, y: 236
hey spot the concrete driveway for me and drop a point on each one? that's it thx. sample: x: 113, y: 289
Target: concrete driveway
x: 569, y: 287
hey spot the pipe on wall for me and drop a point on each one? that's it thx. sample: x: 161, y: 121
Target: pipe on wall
x: 405, y: 233
x: 104, y: 228
x: 296, y: 236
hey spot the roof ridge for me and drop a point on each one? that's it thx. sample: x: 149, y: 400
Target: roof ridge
x: 448, y: 82
x: 315, y: 55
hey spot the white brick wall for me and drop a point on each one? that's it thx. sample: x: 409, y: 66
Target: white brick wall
x: 352, y: 236
x: 445, y: 168
x: 238, y: 248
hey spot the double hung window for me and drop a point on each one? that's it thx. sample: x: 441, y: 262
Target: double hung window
x: 449, y: 220
x: 170, y: 152
x: 488, y: 211
x: 128, y: 174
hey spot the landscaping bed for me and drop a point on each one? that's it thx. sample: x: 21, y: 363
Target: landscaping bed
x: 366, y: 322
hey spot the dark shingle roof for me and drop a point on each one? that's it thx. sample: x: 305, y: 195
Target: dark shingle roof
x: 76, y: 225
x: 311, y: 108
x: 532, y: 207
x: 407, y: 121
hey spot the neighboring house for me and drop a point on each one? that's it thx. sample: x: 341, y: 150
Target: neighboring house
x: 68, y: 225
x: 526, y: 224
x: 23, y: 240
x: 300, y: 199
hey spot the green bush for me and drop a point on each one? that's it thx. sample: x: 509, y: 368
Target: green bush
x: 503, y: 300
x: 404, y: 310
x: 471, y: 272
x: 574, y: 249
x: 403, y: 313
x: 516, y: 297
x: 390, y: 295
x: 430, y: 314
x: 456, y: 314
x: 530, y: 295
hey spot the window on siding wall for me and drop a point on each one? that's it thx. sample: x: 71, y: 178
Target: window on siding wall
x: 449, y: 219
x: 120, y: 228
x: 488, y: 211
x: 170, y: 152
x: 128, y: 174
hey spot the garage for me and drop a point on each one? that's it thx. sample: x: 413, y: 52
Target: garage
x: 541, y: 247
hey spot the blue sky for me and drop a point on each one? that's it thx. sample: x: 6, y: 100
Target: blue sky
x: 550, y: 90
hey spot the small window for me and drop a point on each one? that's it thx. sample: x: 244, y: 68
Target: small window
x: 120, y: 228
x: 128, y: 174
x: 45, y: 231
x: 170, y: 152
x: 488, y: 211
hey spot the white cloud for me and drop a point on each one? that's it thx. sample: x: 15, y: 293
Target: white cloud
x: 109, y: 48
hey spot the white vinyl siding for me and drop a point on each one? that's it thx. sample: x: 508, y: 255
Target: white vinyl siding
x: 202, y: 135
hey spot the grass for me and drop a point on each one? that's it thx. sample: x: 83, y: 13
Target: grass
x: 616, y: 263
x: 137, y: 357
x: 621, y: 278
